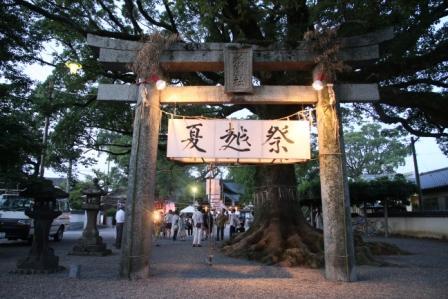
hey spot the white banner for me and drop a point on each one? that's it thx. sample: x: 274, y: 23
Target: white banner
x: 238, y: 141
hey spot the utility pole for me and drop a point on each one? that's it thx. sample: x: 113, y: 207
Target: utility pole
x: 417, y: 175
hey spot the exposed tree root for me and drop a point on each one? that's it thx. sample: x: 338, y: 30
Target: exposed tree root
x: 276, y: 243
x: 365, y: 251
x: 273, y: 243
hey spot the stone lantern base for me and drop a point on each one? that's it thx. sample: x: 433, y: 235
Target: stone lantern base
x: 41, y: 258
x: 91, y: 243
x: 94, y: 246
x: 45, y: 264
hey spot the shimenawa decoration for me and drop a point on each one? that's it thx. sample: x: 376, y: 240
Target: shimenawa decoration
x: 146, y: 65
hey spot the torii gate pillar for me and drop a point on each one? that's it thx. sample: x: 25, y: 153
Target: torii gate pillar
x: 338, y: 234
x: 137, y: 236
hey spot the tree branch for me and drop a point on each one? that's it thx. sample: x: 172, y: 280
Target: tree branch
x: 409, y: 36
x: 111, y: 16
x: 151, y: 20
x: 114, y: 153
x: 42, y: 61
x: 170, y: 15
x: 410, y: 65
x: 87, y: 103
x: 124, y: 132
x: 113, y: 144
x: 404, y: 122
x: 89, y: 14
x: 431, y: 103
x: 243, y: 20
x: 420, y: 81
x: 72, y: 25
x: 56, y: 17
x: 130, y: 8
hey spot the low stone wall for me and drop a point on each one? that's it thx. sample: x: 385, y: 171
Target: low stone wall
x: 421, y: 226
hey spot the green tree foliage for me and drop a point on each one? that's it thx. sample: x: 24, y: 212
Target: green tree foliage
x: 19, y: 144
x: 76, y: 194
x: 396, y: 190
x: 20, y: 137
x: 245, y: 176
x: 374, y: 150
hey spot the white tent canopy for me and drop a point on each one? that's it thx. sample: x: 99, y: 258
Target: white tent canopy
x: 189, y: 209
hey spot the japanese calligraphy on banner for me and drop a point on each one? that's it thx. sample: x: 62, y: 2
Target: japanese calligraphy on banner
x: 238, y: 141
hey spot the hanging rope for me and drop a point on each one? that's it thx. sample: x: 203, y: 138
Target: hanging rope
x: 306, y: 114
x: 211, y: 243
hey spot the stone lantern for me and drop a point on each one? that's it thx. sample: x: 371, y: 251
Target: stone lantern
x: 91, y: 243
x: 41, y: 258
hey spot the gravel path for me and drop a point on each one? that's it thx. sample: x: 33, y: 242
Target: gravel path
x: 180, y: 271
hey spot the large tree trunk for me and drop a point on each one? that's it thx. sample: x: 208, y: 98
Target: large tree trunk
x: 279, y: 234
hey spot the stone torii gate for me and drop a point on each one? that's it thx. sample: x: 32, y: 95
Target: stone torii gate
x: 115, y: 54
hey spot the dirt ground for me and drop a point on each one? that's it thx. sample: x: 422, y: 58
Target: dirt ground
x: 180, y: 271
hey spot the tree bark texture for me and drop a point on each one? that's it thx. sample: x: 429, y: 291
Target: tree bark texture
x: 136, y: 245
x: 338, y: 234
x: 279, y: 234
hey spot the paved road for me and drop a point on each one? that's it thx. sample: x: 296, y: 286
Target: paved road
x: 180, y: 271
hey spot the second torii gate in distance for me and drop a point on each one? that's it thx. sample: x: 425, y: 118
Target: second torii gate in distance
x: 115, y: 54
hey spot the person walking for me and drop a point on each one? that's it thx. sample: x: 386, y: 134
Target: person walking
x: 249, y: 221
x: 207, y: 224
x: 175, y: 225
x: 119, y: 218
x: 189, y: 225
x: 319, y: 220
x: 197, y: 227
x: 182, y: 234
x: 221, y: 221
x: 168, y: 224
x: 234, y: 222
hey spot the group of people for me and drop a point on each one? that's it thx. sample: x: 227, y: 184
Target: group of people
x: 172, y: 226
x: 200, y: 225
x: 204, y: 222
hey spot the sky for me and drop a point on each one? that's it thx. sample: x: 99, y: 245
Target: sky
x: 429, y: 157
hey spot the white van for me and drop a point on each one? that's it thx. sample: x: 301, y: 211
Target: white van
x: 14, y: 224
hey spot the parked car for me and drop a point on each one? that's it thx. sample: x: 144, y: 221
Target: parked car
x: 14, y: 224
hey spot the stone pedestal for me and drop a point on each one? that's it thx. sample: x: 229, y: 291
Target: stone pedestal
x: 91, y: 243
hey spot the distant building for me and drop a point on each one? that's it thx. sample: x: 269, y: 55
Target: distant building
x: 434, y: 186
x: 119, y: 196
x: 223, y: 193
x: 112, y: 199
x: 232, y: 193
